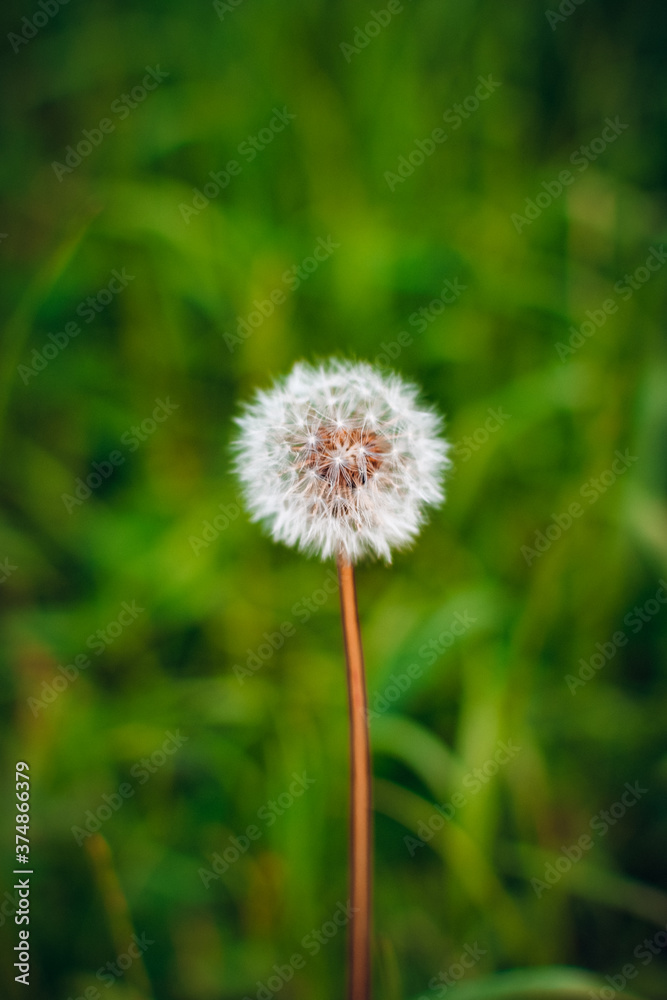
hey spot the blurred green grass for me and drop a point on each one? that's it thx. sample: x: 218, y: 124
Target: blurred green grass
x: 162, y: 337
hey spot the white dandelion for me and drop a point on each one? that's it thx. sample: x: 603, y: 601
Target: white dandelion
x: 341, y: 459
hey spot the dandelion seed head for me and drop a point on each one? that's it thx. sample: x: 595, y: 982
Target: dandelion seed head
x: 341, y: 458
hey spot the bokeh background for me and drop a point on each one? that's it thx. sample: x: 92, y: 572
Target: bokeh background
x: 163, y: 532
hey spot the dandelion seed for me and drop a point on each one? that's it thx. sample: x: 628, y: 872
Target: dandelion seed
x: 341, y: 459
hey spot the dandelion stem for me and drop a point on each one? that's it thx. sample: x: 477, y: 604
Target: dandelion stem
x: 359, y: 975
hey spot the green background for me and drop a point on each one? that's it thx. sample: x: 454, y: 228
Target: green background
x: 525, y: 285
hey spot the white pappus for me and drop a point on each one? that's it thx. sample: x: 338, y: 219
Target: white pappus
x: 341, y: 459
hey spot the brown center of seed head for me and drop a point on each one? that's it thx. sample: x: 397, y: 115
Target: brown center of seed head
x: 343, y: 458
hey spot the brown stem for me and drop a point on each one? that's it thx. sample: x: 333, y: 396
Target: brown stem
x: 359, y: 973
